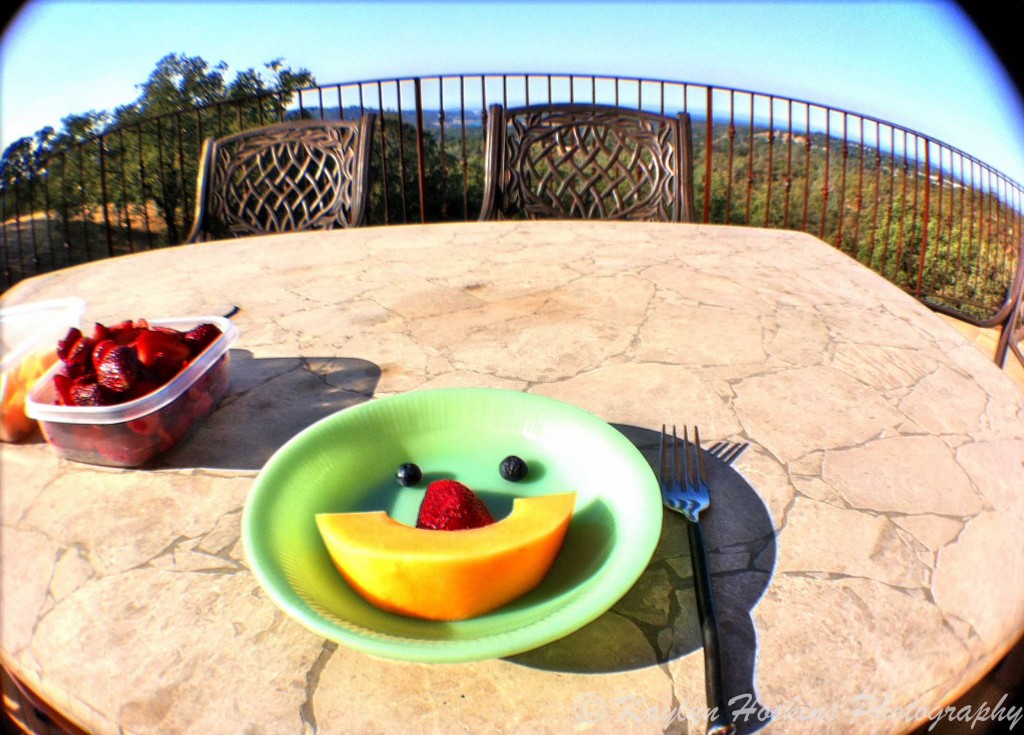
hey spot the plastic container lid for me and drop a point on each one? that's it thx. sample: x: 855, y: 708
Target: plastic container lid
x: 40, y: 405
x: 24, y: 325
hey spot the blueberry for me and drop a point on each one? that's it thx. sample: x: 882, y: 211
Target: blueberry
x: 408, y: 475
x: 513, y: 468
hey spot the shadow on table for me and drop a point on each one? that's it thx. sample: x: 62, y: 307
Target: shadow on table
x: 656, y: 621
x: 270, y: 400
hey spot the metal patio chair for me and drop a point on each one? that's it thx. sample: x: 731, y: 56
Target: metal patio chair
x: 583, y: 161
x: 300, y: 175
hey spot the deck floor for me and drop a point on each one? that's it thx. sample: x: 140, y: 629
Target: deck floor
x: 986, y: 340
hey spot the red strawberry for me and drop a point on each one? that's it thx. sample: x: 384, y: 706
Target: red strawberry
x: 144, y: 385
x: 102, y: 348
x: 64, y: 346
x: 201, y: 337
x: 124, y: 333
x: 100, y: 332
x: 62, y: 384
x: 85, y: 391
x: 451, y: 506
x: 118, y: 368
x: 79, y: 357
x: 162, y: 347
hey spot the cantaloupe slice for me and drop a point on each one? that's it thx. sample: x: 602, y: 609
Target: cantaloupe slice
x: 15, y: 384
x: 448, y: 575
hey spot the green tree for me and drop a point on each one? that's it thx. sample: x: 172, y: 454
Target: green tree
x: 149, y: 142
x: 171, y: 142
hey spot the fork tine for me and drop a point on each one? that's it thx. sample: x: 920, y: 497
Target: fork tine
x: 664, y: 457
x: 687, y: 469
x: 661, y: 458
x: 675, y: 457
x: 699, y: 455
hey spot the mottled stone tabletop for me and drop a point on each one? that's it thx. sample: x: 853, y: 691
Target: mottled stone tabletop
x: 867, y: 547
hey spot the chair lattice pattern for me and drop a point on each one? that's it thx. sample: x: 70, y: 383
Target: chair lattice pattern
x: 296, y: 175
x: 298, y: 180
x: 591, y: 164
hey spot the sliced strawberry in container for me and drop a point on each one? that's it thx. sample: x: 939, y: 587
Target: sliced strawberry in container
x: 162, y: 347
x: 201, y: 337
x: 145, y: 425
x: 62, y: 384
x: 85, y: 391
x: 79, y: 356
x: 145, y: 384
x: 100, y: 332
x: 125, y: 333
x: 118, y: 369
x: 103, y: 346
x: 64, y: 345
x: 122, y: 456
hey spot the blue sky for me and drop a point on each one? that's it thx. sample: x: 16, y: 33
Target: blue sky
x: 918, y: 64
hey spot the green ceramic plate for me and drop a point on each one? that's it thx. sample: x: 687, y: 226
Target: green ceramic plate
x: 347, y: 462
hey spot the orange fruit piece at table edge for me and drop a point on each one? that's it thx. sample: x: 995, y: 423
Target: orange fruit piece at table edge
x: 448, y: 575
x: 15, y: 385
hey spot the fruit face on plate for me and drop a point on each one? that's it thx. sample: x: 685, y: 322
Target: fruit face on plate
x: 448, y: 575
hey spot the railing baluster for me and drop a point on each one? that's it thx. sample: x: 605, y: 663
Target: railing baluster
x: 903, y: 211
x: 465, y: 148
x: 878, y: 194
x: 771, y: 154
x: 729, y: 166
x: 789, y: 164
x: 83, y: 203
x: 919, y: 290
x: 401, y: 151
x: 421, y: 164
x: 142, y: 189
x: 891, y: 202
x: 383, y: 152
x: 750, y: 164
x: 962, y: 284
x: 860, y: 190
x: 825, y: 179
x: 845, y: 156
x: 807, y: 167
x: 709, y: 146
x: 101, y: 144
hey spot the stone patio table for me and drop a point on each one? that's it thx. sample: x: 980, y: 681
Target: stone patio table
x: 867, y: 548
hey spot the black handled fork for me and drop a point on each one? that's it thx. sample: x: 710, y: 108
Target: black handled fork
x: 684, y: 490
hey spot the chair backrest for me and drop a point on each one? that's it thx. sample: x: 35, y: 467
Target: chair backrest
x: 581, y: 161
x: 300, y: 175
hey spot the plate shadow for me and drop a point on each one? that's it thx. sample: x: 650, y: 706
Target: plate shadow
x: 295, y: 391
x: 656, y: 621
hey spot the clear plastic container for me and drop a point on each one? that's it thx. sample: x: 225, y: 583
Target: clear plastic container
x: 29, y: 335
x: 133, y: 433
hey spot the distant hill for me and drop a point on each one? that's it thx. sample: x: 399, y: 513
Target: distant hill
x: 431, y: 118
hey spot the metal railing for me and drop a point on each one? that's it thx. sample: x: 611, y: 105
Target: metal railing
x: 932, y: 219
